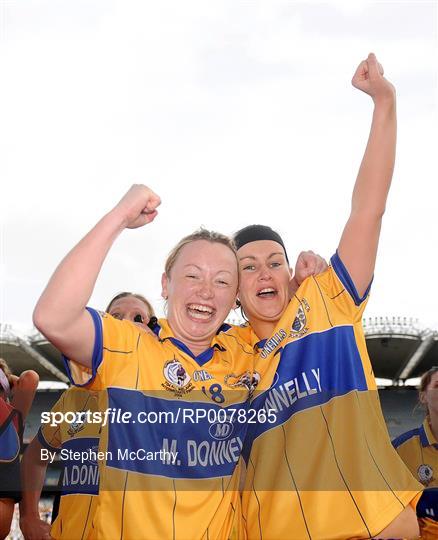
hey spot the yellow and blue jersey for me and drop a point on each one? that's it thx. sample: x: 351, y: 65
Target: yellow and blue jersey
x: 80, y: 478
x: 418, y: 448
x: 324, y: 467
x: 171, y: 471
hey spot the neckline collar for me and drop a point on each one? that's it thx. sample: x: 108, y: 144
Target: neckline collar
x: 163, y: 331
x: 427, y: 437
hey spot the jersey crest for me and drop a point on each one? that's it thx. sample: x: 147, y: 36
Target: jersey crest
x: 425, y: 474
x: 178, y: 381
x: 78, y: 425
x: 299, y: 327
x: 176, y: 404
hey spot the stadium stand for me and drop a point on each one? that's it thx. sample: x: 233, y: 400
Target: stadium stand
x: 400, y: 350
x: 399, y: 347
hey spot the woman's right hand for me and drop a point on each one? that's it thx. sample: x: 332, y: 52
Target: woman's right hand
x: 60, y: 313
x: 138, y: 206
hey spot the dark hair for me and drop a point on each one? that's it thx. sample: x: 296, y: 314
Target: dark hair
x: 242, y: 311
x: 126, y: 294
x: 254, y: 233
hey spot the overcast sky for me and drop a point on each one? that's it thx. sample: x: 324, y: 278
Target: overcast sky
x: 234, y: 112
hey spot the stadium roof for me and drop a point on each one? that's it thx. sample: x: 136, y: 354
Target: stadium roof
x: 31, y: 351
x: 399, y: 349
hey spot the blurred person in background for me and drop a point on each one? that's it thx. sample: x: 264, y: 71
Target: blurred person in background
x: 418, y: 448
x: 132, y: 307
x: 16, y: 397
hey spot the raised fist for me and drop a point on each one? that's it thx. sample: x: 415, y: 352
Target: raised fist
x: 138, y: 206
x: 369, y: 78
x: 308, y: 264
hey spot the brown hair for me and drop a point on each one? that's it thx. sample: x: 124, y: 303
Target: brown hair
x: 126, y: 294
x: 426, y: 378
x: 425, y: 381
x: 200, y: 234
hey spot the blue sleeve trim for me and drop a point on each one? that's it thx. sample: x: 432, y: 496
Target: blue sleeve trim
x: 398, y: 441
x: 97, y: 350
x: 427, y: 506
x: 344, y: 276
x: 44, y: 443
x: 423, y: 436
x: 224, y: 328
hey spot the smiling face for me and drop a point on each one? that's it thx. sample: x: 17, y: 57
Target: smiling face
x: 201, y: 290
x: 264, y: 284
x: 131, y: 309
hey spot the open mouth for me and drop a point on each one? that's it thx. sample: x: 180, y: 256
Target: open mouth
x: 200, y: 312
x: 267, y: 292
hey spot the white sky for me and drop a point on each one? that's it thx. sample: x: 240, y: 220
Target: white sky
x: 234, y: 112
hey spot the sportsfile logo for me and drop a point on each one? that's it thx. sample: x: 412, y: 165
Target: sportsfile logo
x: 180, y: 415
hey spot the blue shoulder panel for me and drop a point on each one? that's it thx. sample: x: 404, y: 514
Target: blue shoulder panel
x: 344, y: 276
x: 97, y: 349
x: 405, y: 437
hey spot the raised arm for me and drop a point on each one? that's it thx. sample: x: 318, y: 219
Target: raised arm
x: 60, y: 313
x: 360, y: 238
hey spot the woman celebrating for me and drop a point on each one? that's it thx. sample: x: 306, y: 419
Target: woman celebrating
x: 167, y: 468
x: 325, y: 469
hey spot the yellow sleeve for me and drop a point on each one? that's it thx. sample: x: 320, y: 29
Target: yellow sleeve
x: 50, y: 436
x: 339, y: 290
x: 114, y: 344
